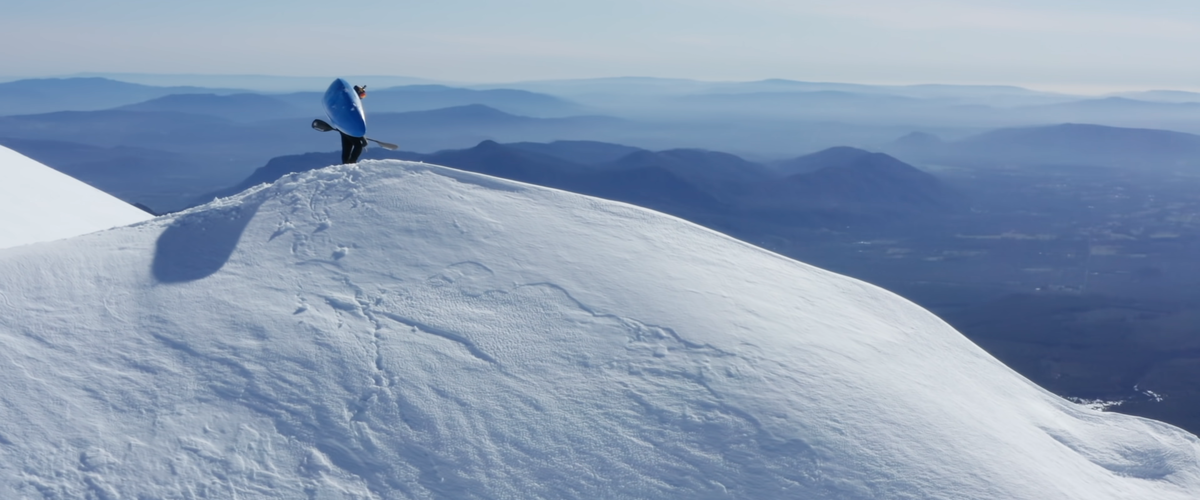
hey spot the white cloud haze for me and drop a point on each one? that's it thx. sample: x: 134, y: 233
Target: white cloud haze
x: 1049, y: 44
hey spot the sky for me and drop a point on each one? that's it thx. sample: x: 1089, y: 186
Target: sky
x: 1050, y: 44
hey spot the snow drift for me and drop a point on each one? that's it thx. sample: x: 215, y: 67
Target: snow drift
x: 400, y: 330
x: 39, y: 204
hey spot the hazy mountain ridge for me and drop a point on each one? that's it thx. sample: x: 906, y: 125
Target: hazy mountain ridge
x: 25, y: 97
x: 258, y: 107
x: 585, y: 88
x: 1162, y: 96
x: 703, y: 186
x: 270, y: 84
x: 702, y: 166
x: 864, y: 183
x: 818, y: 160
x: 236, y: 107
x: 110, y: 128
x: 663, y: 100
x: 35, y: 96
x: 582, y: 152
x: 426, y: 97
x: 196, y: 131
x: 232, y: 132
x: 154, y: 178
x: 647, y: 185
x: 819, y: 104
x: 1067, y: 144
x: 232, y: 148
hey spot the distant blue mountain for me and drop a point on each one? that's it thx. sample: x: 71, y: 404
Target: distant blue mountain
x: 581, y: 152
x: 236, y: 107
x: 774, y: 103
x: 839, y: 155
x: 1062, y: 145
x: 81, y: 94
x: 1110, y: 109
x: 450, y: 128
x: 983, y: 94
x: 253, y: 83
x: 607, y: 90
x: 491, y: 158
x: 37, y: 96
x: 231, y: 145
x: 1162, y: 96
x: 430, y: 97
x: 474, y: 114
x: 426, y: 97
x: 229, y: 150
x: 856, y: 182
x: 117, y: 128
x: 202, y: 152
x: 648, y: 184
x: 716, y: 173
x: 160, y: 180
x: 705, y: 186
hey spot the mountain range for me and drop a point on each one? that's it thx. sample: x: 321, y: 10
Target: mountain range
x: 1062, y: 145
x: 866, y: 183
x: 428, y: 97
x: 273, y: 84
x: 703, y: 186
x: 47, y: 95
x: 152, y: 178
x: 772, y: 118
x: 609, y: 88
x: 235, y: 107
x: 25, y: 97
x: 581, y: 152
x: 166, y: 144
x: 161, y: 139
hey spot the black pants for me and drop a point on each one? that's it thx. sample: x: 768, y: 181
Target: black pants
x: 352, y: 148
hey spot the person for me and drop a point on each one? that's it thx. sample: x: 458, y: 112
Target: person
x: 352, y: 147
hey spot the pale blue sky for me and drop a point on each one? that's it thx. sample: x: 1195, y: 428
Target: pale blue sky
x: 1052, y: 44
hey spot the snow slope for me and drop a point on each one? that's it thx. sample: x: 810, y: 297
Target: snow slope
x: 38, y: 203
x: 401, y: 330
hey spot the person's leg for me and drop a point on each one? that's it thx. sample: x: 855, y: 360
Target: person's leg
x: 348, y: 148
x: 357, y: 149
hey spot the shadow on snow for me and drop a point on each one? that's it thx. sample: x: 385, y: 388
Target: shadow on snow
x: 198, y: 245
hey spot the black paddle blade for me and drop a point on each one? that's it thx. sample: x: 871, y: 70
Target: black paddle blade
x: 384, y: 145
x: 321, y: 125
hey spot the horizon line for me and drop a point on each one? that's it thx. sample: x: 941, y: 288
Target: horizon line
x: 1052, y: 88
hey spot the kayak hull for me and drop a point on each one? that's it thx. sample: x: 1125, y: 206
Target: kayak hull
x: 344, y: 109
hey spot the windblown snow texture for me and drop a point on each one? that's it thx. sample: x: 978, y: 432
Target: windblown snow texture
x: 400, y: 330
x: 38, y: 204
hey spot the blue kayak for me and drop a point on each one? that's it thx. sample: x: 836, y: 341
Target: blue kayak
x: 344, y: 109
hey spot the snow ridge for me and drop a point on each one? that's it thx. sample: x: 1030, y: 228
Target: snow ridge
x: 402, y: 330
x: 40, y: 204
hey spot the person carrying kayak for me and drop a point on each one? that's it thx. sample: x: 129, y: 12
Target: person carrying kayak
x: 343, y: 108
x: 352, y: 147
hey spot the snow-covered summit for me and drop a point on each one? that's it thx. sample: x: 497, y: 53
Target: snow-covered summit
x: 38, y: 203
x: 400, y: 330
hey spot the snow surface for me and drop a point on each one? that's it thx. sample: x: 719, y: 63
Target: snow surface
x: 401, y: 330
x: 39, y: 204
